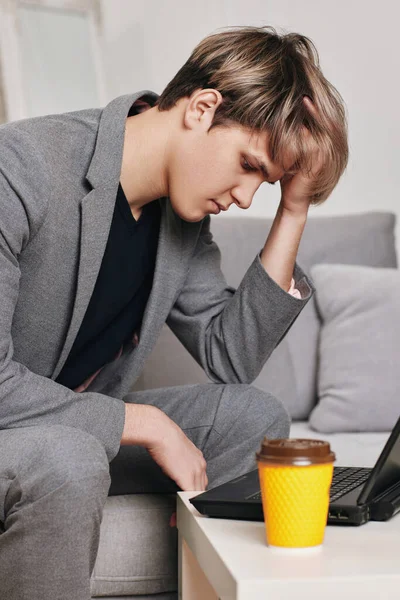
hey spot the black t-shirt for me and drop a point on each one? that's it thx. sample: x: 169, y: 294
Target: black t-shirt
x: 119, y: 298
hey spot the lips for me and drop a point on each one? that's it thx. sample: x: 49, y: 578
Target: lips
x: 219, y: 206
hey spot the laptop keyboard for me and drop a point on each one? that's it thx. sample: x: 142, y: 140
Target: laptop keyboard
x: 344, y: 480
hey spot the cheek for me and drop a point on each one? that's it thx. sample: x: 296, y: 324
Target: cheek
x: 212, y: 175
x: 201, y: 171
x: 186, y: 182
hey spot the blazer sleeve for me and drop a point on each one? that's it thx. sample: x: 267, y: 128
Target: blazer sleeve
x: 231, y: 333
x: 26, y: 398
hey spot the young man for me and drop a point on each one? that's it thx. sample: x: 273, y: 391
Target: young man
x: 105, y: 236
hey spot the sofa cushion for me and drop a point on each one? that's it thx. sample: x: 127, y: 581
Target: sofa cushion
x: 359, y: 348
x: 360, y: 450
x: 138, y: 551
x: 290, y: 373
x: 167, y: 596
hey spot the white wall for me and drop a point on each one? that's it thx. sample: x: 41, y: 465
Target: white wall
x: 147, y: 42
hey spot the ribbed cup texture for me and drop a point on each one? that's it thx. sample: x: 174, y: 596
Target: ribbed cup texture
x: 295, y: 503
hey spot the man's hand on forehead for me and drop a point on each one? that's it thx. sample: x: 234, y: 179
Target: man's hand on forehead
x: 297, y: 189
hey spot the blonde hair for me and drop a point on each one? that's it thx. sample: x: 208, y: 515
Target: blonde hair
x: 263, y: 77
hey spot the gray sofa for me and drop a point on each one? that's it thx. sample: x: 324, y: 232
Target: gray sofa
x: 137, y: 556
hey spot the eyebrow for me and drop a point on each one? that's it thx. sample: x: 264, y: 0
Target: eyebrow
x: 263, y: 168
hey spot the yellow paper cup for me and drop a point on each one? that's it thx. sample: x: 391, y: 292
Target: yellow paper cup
x: 295, y: 478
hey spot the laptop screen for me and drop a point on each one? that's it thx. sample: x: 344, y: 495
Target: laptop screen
x: 386, y: 471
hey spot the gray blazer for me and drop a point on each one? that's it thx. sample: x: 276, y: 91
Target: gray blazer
x: 58, y: 182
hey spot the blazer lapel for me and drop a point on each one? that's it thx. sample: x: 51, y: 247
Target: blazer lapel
x: 167, y: 274
x: 172, y: 255
x: 169, y: 271
x: 97, y: 210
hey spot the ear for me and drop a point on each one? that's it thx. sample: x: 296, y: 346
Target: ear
x: 200, y: 109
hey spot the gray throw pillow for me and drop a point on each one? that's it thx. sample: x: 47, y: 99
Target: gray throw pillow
x: 359, y: 348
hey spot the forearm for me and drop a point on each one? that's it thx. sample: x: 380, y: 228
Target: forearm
x: 142, y: 424
x: 279, y: 254
x: 231, y: 333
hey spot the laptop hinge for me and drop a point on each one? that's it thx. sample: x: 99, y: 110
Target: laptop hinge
x: 393, y: 490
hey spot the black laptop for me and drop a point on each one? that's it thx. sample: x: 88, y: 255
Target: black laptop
x: 357, y: 494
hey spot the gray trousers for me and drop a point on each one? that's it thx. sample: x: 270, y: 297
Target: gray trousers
x: 54, y: 481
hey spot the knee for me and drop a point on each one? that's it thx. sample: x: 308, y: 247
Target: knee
x: 264, y: 412
x: 66, y: 456
x: 278, y: 416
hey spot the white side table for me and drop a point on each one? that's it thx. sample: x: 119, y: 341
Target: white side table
x: 228, y: 559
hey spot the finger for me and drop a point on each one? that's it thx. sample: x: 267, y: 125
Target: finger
x: 195, y: 483
x: 310, y: 105
x: 201, y: 480
x: 172, y: 521
x: 200, y: 483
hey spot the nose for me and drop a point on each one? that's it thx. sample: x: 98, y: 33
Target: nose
x: 243, y: 195
x: 245, y: 189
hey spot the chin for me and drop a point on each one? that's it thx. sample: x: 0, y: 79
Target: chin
x: 194, y: 219
x: 190, y: 216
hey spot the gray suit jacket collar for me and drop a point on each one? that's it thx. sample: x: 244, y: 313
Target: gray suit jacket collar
x: 96, y: 216
x: 105, y: 167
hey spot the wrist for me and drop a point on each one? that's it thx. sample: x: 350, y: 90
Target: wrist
x: 297, y: 212
x: 141, y: 426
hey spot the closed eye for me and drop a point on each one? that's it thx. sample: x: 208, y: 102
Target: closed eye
x: 248, y: 167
